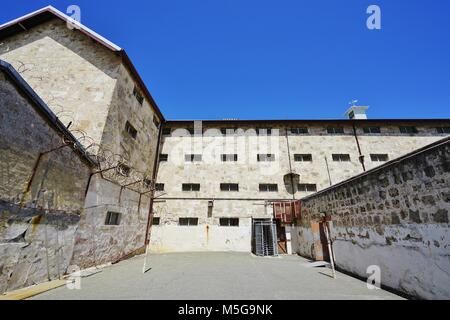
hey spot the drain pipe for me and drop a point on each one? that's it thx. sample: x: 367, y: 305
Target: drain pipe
x: 361, y: 157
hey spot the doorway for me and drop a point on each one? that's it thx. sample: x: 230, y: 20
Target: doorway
x: 264, y: 237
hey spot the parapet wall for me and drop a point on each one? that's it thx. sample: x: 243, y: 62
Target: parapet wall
x: 396, y: 217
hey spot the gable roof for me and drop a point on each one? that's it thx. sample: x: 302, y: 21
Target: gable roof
x: 45, y: 14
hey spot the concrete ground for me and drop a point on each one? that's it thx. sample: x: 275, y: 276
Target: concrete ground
x: 211, y: 276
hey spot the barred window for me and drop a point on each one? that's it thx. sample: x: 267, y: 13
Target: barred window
x: 263, y: 131
x: 408, y: 129
x: 370, y: 130
x: 341, y: 157
x: 138, y: 95
x: 335, y: 130
x: 131, y: 130
x: 307, y: 187
x: 265, y: 157
x: 163, y: 157
x: 159, y: 187
x: 303, y: 157
x: 229, y: 222
x: 188, y: 221
x: 156, y: 221
x: 229, y: 187
x: 229, y: 157
x: 268, y: 187
x: 191, y: 187
x: 379, y: 157
x: 193, y: 157
x: 442, y: 130
x: 298, y: 131
x: 112, y: 218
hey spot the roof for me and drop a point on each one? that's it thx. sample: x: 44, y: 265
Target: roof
x: 44, y: 110
x: 318, y: 121
x: 45, y: 14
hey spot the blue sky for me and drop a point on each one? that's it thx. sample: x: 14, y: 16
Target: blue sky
x: 246, y: 59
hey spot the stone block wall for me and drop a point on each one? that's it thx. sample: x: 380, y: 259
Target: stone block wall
x: 41, y: 196
x: 396, y: 217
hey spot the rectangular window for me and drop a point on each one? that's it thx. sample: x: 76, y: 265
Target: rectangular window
x: 370, y: 130
x: 166, y: 131
x: 193, y: 157
x: 408, y: 129
x: 268, y: 187
x: 229, y: 157
x: 138, y: 95
x: 163, y: 157
x: 341, y: 157
x: 229, y: 222
x: 191, y: 187
x: 442, y: 130
x: 155, y: 221
x: 156, y: 121
x: 123, y: 170
x: 263, y: 131
x: 188, y: 221
x: 159, y: 187
x: 228, y: 131
x: 229, y: 187
x: 112, y: 218
x: 298, y: 131
x: 266, y: 157
x: 303, y: 157
x: 379, y: 157
x: 307, y: 187
x: 335, y: 130
x: 131, y: 130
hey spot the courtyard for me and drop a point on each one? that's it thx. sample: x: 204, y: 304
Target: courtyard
x: 214, y: 276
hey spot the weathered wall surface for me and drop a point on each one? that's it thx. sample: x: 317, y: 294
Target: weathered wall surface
x: 73, y: 75
x: 41, y: 221
x: 396, y: 217
x: 87, y: 85
x: 248, y: 202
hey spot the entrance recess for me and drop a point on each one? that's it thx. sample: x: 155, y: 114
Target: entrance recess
x: 264, y: 237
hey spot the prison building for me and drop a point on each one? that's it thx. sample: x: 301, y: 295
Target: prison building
x: 216, y: 178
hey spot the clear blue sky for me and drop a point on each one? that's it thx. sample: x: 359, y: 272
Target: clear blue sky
x: 214, y: 59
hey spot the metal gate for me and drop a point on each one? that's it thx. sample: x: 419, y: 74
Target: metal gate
x: 265, y: 238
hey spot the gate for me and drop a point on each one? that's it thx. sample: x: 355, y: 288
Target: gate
x: 265, y: 238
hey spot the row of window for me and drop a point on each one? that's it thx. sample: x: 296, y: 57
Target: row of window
x: 271, y: 157
x: 223, y: 222
x: 330, y: 130
x: 113, y: 219
x: 234, y: 187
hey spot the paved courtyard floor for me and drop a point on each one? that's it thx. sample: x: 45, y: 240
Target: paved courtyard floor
x: 229, y: 276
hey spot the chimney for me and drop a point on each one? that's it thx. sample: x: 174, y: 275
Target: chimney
x: 357, y: 112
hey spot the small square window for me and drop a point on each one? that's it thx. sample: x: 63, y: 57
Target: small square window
x: 190, y: 187
x: 229, y: 187
x: 156, y: 221
x: 163, y: 157
x: 371, y: 130
x: 298, y: 131
x: 379, y: 157
x: 138, y: 95
x: 188, y: 221
x: 268, y: 187
x: 193, y: 157
x: 229, y: 222
x: 335, y: 130
x: 131, y: 130
x: 263, y: 131
x: 303, y: 157
x: 228, y: 131
x: 112, y: 218
x: 229, y: 157
x: 159, y: 187
x: 408, y: 129
x: 341, y: 157
x: 443, y: 130
x: 265, y: 157
x: 307, y: 187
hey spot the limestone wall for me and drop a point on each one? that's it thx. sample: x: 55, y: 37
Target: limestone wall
x: 37, y: 226
x: 396, y: 217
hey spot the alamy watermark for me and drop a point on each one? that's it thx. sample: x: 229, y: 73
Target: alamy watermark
x: 374, y: 278
x: 374, y: 20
